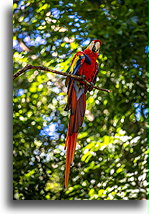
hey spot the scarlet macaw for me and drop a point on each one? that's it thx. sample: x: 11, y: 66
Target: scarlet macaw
x: 83, y: 64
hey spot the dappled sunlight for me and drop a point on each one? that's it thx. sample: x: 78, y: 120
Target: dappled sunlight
x: 110, y: 161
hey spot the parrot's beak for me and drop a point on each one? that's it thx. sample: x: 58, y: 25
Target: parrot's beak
x: 94, y: 49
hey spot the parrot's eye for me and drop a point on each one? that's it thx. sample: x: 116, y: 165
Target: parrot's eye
x: 94, y: 46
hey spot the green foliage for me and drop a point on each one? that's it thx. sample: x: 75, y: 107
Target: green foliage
x: 111, y: 155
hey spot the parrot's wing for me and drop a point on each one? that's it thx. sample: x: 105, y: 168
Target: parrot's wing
x: 77, y: 62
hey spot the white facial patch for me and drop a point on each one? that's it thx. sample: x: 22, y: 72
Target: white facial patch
x: 97, y: 45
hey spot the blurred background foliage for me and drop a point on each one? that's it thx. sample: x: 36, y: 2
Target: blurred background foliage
x: 111, y: 155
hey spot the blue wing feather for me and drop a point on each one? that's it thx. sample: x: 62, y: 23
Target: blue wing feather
x: 87, y: 59
x: 77, y: 61
x: 78, y: 65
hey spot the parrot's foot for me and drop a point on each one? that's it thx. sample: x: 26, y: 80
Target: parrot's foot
x: 83, y: 76
x: 91, y: 86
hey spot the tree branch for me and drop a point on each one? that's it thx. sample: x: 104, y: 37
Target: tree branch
x: 28, y: 67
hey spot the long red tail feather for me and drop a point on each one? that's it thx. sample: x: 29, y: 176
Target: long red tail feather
x: 83, y: 63
x: 71, y: 145
x: 76, y: 120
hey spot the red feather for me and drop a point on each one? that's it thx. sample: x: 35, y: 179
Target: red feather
x: 97, y: 40
x: 77, y: 103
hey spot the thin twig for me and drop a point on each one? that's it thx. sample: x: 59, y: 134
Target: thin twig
x: 28, y: 67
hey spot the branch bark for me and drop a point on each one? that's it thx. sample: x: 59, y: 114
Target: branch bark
x: 28, y: 67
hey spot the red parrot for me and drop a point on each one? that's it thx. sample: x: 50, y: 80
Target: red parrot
x: 83, y: 64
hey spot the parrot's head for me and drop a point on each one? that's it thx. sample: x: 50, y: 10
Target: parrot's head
x: 94, y: 46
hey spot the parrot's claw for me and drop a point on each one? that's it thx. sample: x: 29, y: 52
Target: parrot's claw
x: 83, y: 76
x: 91, y: 86
x: 91, y: 83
